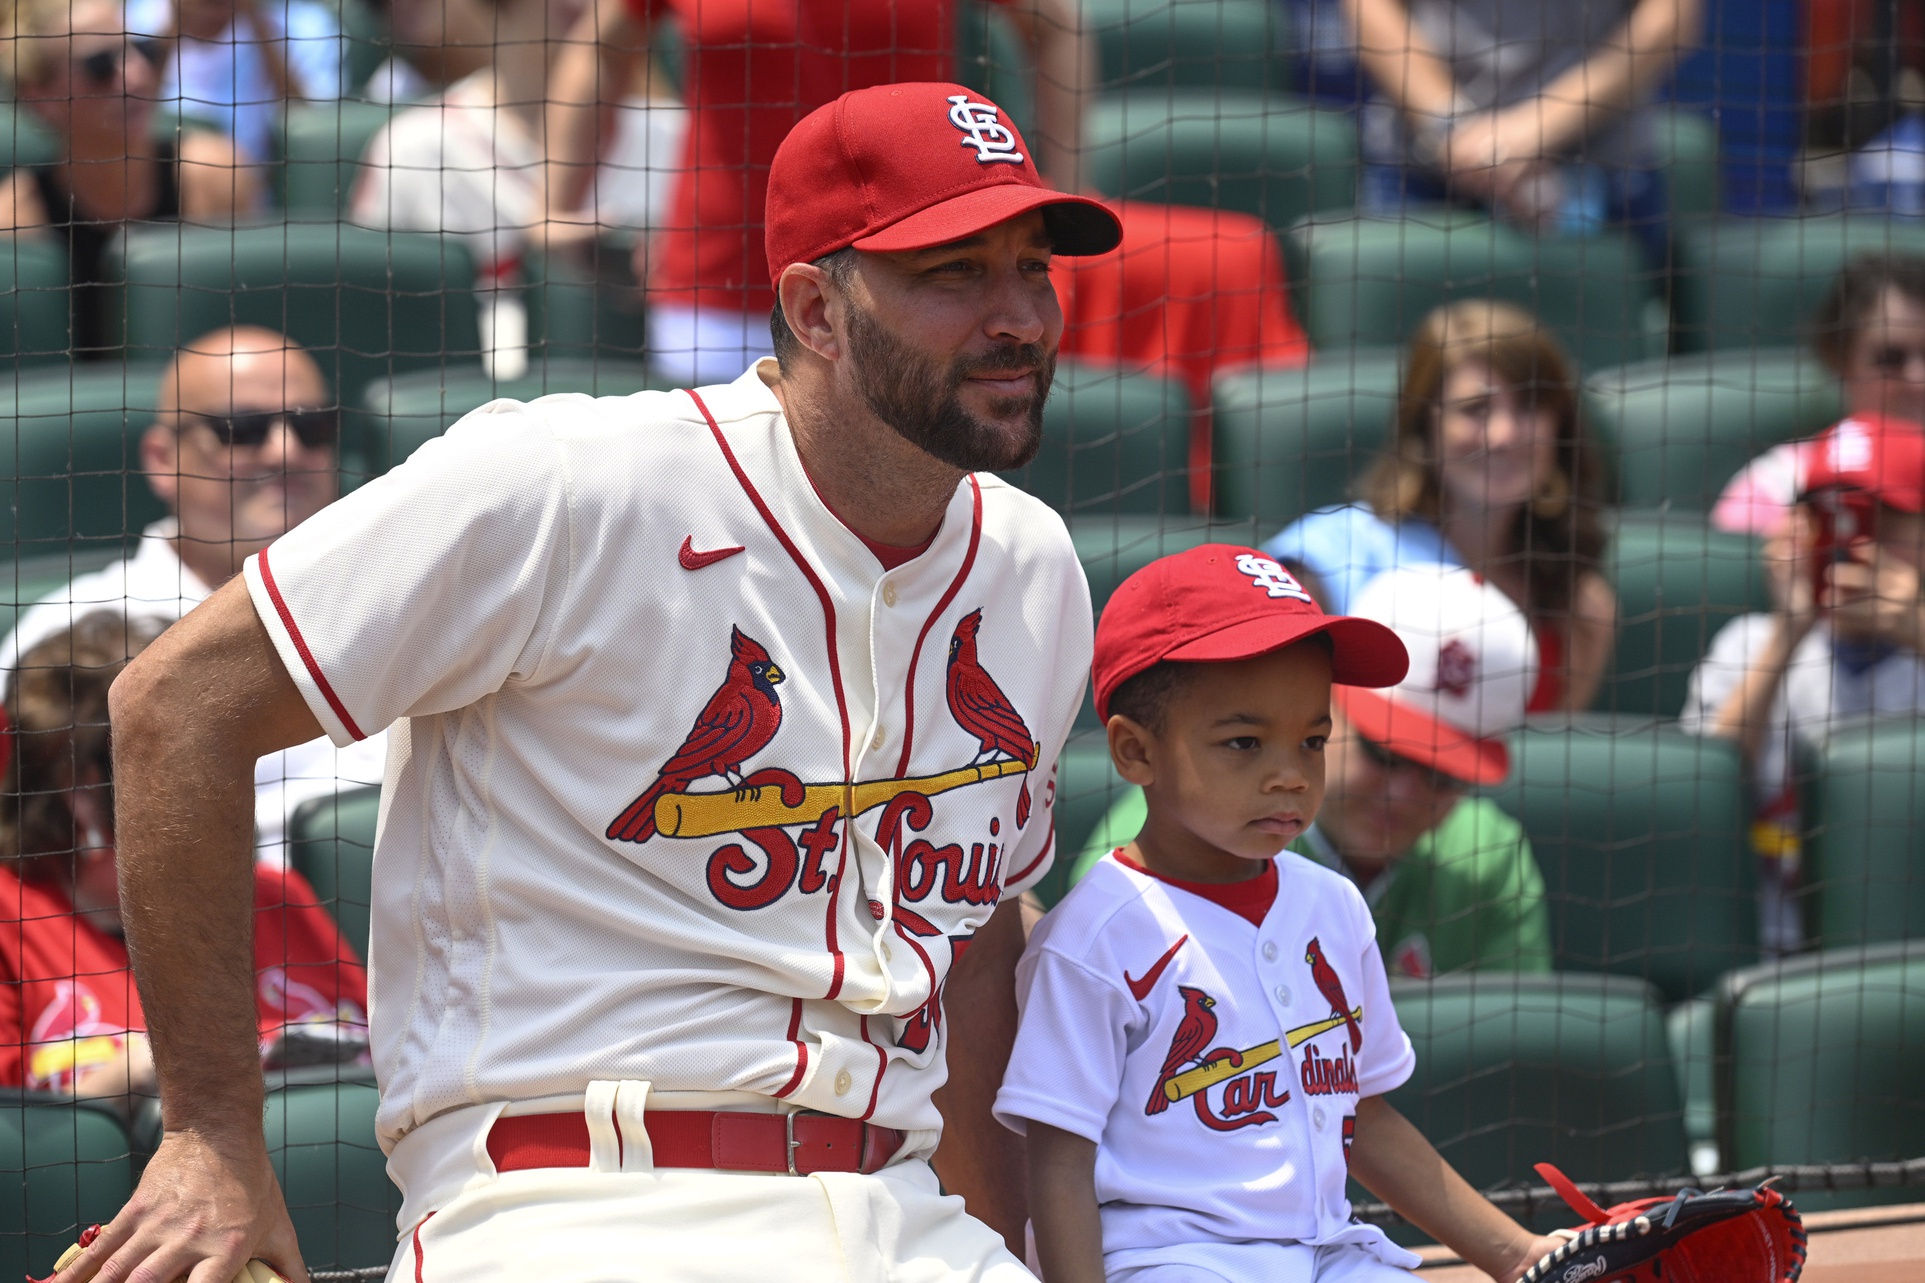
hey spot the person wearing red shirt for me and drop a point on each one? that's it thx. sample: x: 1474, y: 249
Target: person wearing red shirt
x: 70, y: 1018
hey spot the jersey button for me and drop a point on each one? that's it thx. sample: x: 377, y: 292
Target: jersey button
x: 1283, y: 994
x: 888, y: 954
x: 881, y: 737
x: 1316, y: 1115
x: 842, y: 1082
x: 889, y: 594
x: 1270, y: 951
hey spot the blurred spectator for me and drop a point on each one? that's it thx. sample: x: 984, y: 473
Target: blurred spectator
x: 1870, y: 332
x: 1845, y: 639
x: 244, y: 450
x: 1490, y: 467
x: 73, y: 64
x: 1534, y: 110
x: 1450, y: 879
x: 70, y: 1019
x: 751, y: 70
x: 236, y: 63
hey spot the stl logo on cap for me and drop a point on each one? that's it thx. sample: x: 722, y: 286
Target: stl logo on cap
x: 1271, y: 577
x: 1456, y: 668
x: 983, y: 130
x: 1850, y: 447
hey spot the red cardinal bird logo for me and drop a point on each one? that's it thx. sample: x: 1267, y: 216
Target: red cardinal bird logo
x: 1194, y: 1032
x: 737, y: 723
x: 980, y: 707
x: 1331, y: 987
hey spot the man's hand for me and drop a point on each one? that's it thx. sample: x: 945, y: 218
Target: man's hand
x: 1875, y: 597
x: 203, y: 1208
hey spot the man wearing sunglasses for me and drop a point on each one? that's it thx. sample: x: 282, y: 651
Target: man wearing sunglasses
x: 1450, y: 878
x: 243, y: 449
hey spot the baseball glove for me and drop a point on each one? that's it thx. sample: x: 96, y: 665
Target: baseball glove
x: 1725, y: 1236
x: 252, y: 1272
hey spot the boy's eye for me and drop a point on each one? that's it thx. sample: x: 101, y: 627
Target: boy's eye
x: 1241, y: 743
x: 1316, y: 742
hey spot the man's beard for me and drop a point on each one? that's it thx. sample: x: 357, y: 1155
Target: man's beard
x: 923, y: 403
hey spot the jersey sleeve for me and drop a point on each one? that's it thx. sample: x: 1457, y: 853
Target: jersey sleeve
x: 1072, y: 1038
x: 428, y: 588
x: 1033, y: 854
x: 1387, y: 1059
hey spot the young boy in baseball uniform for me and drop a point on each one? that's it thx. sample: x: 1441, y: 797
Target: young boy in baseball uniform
x: 1206, y: 1033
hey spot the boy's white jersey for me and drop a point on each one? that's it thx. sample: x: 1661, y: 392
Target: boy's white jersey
x: 686, y: 788
x: 1216, y: 1064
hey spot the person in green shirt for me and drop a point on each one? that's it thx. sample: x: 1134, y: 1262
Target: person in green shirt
x: 1449, y: 877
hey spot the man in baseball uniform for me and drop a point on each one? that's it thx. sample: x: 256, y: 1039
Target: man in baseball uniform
x: 725, y: 722
x: 1207, y: 1032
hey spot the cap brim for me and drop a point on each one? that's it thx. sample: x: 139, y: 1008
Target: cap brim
x: 1362, y: 651
x: 1077, y: 225
x: 1407, y: 732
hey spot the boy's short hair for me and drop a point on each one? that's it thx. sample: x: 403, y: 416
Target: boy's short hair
x: 1145, y: 698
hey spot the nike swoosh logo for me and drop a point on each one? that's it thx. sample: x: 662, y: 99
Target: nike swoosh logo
x: 693, y: 560
x: 1140, y: 989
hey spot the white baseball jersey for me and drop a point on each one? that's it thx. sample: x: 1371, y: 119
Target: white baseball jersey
x: 1216, y: 1064
x: 637, y: 664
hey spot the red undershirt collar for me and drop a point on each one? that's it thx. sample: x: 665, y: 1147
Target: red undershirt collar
x: 1249, y: 899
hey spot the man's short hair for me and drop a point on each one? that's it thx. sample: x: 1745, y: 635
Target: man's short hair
x: 841, y: 268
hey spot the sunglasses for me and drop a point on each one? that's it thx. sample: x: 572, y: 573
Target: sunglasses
x: 314, y: 428
x: 99, y: 69
x: 1390, y: 763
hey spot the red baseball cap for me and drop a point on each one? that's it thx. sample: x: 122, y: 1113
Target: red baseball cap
x: 1882, y: 456
x: 1220, y: 602
x: 910, y: 166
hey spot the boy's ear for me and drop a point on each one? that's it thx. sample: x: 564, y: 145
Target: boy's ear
x: 1132, y: 750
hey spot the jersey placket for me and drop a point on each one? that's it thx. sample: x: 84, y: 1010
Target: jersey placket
x: 1287, y: 987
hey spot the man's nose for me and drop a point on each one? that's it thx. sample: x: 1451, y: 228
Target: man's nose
x: 1020, y: 313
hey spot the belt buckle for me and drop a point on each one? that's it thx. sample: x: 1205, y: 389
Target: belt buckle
x: 789, y: 1142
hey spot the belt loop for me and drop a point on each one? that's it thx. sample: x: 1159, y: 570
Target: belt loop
x: 631, y: 1103
x: 788, y: 1140
x: 604, y: 1127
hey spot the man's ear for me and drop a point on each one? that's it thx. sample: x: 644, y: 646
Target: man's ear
x: 160, y: 460
x: 808, y: 296
x: 1132, y: 750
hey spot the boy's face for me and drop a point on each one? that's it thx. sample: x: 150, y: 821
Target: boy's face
x: 1236, y: 773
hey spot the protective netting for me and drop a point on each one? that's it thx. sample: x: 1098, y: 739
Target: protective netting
x: 1675, y: 241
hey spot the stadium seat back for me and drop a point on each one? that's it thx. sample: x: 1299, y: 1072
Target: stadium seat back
x: 321, y: 1138
x: 1113, y: 442
x: 1114, y: 547
x: 367, y: 304
x: 1371, y: 281
x: 1866, y: 878
x: 23, y: 139
x: 70, y: 470
x: 1640, y: 831
x: 398, y: 416
x: 1818, y: 1061
x: 321, y: 144
x: 1160, y: 45
x: 585, y: 310
x: 1682, y: 427
x: 1285, y: 442
x: 1748, y: 283
x: 1688, y: 152
x: 1678, y: 582
x: 332, y: 846
x: 35, y: 327
x: 993, y: 59
x: 75, y: 1167
x: 1273, y: 156
x: 1520, y: 1069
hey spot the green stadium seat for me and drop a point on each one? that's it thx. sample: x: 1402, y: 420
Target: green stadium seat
x: 397, y: 416
x: 1678, y: 582
x: 368, y: 42
x: 991, y: 57
x: 1114, y: 547
x: 1681, y: 427
x: 34, y: 318
x: 1086, y: 785
x: 333, y: 848
x: 71, y: 478
x: 1113, y: 442
x: 321, y: 1138
x: 1756, y: 282
x: 1818, y: 1062
x: 1285, y: 442
x: 1370, y: 282
x: 1641, y: 833
x: 1691, y: 1027
x: 1865, y: 881
x: 367, y: 304
x: 1270, y: 155
x: 23, y: 139
x: 75, y: 1167
x: 1160, y: 45
x: 586, y: 310
x: 1688, y: 153
x: 320, y: 146
x: 1519, y: 1069
x: 34, y: 578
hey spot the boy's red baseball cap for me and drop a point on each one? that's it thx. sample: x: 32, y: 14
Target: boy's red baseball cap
x: 911, y: 166
x: 1883, y: 456
x: 1220, y: 602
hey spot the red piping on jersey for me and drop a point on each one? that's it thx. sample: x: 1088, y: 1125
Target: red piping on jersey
x: 417, y: 1245
x: 882, y: 1066
x: 955, y: 586
x: 801, y: 1051
x: 1048, y: 846
x: 300, y: 645
x: 835, y: 663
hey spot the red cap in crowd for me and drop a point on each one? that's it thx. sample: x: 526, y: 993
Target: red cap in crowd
x: 911, y: 166
x: 1220, y: 602
x: 1882, y: 456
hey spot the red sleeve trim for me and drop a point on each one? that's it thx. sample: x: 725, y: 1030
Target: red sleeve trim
x: 307, y: 656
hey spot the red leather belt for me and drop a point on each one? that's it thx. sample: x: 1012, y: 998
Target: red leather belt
x: 723, y: 1140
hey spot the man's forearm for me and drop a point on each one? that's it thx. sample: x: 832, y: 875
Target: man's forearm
x: 1619, y: 72
x: 1066, y: 73
x: 1401, y: 61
